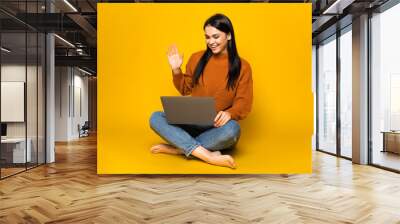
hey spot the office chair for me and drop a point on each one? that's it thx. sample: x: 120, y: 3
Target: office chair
x: 84, y: 130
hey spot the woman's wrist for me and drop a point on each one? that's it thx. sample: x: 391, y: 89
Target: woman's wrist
x: 177, y: 71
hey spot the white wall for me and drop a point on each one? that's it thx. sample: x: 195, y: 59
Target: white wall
x: 62, y: 80
x: 71, y: 87
x: 80, y: 84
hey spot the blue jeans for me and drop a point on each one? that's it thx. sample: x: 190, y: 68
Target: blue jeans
x: 189, y: 137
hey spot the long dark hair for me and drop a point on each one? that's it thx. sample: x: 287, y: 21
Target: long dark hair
x: 222, y: 23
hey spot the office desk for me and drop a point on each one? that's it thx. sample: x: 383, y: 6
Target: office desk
x: 391, y: 141
x: 13, y: 150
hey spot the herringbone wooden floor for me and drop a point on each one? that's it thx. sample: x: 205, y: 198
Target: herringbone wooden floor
x: 70, y: 191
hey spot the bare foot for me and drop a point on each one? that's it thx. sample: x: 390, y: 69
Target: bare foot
x: 216, y: 153
x: 165, y: 148
x: 222, y: 160
x: 213, y: 158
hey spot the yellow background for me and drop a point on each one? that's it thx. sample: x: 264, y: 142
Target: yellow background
x: 133, y: 73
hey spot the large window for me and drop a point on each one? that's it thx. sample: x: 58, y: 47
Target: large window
x: 327, y: 95
x: 346, y: 93
x: 334, y: 60
x: 385, y: 88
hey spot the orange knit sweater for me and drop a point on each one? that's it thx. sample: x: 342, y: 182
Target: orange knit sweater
x: 237, y: 102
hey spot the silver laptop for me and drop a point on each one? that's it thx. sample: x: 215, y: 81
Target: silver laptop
x: 189, y: 110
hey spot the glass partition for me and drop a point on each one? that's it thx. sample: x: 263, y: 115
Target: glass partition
x: 14, y: 153
x: 41, y: 86
x: 32, y: 96
x: 22, y: 77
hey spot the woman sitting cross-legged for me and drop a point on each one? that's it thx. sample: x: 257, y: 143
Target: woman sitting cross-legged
x: 218, y: 72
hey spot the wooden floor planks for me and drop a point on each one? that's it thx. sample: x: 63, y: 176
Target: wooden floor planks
x: 70, y: 191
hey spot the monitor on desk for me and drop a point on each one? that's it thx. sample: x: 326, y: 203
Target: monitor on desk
x: 3, y: 130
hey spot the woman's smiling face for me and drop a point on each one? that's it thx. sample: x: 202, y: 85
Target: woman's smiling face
x: 216, y: 40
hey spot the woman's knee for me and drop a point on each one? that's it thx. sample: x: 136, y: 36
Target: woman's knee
x: 231, y: 131
x: 156, y: 118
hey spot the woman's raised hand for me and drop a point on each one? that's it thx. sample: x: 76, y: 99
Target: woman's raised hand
x: 174, y: 58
